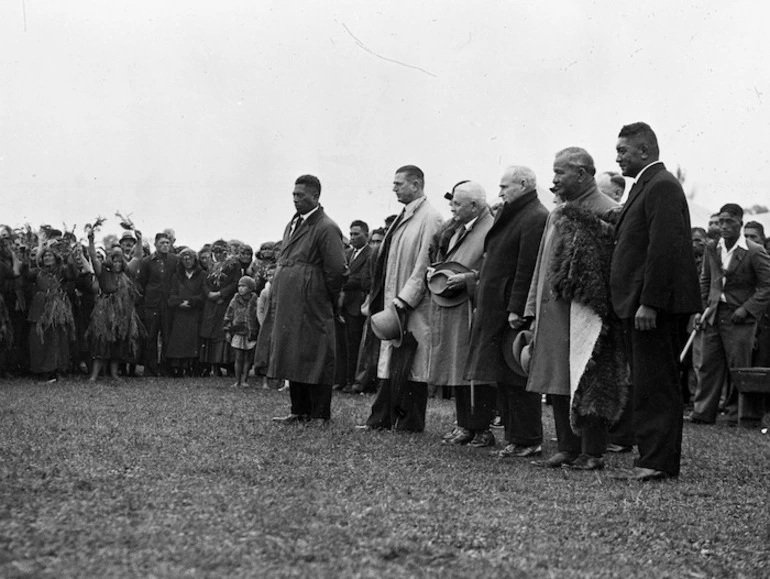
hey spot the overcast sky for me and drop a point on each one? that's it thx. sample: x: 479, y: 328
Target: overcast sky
x: 199, y: 115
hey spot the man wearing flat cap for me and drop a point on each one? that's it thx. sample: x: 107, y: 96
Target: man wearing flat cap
x: 297, y: 341
x: 399, y: 281
x: 511, y: 249
x: 453, y: 286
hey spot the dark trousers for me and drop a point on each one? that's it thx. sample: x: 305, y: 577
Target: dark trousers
x: 403, y: 410
x: 368, y: 354
x: 592, y: 439
x: 311, y: 400
x: 340, y: 347
x: 622, y: 432
x: 354, y: 331
x: 657, y: 397
x: 156, y: 321
x: 484, y: 399
x: 520, y: 412
x: 724, y: 345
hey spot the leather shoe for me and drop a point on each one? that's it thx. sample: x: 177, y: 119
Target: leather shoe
x: 464, y: 436
x: 640, y: 474
x: 557, y: 460
x: 290, y: 419
x: 585, y: 462
x: 348, y: 389
x: 338, y: 387
x: 483, y: 439
x: 452, y: 433
x: 619, y: 448
x: 520, y: 451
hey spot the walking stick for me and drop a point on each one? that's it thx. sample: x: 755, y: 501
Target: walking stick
x: 706, y: 313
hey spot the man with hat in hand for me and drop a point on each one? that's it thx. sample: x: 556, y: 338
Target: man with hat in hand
x: 452, y: 283
x: 511, y: 249
x: 399, y: 286
x: 297, y: 341
x: 577, y: 345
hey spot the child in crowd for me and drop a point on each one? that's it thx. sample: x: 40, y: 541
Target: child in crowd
x: 240, y: 327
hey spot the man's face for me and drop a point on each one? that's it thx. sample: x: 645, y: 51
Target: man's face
x: 305, y: 200
x: 714, y: 223
x: 630, y: 157
x: 245, y: 255
x: 729, y: 227
x: 406, y: 191
x: 698, y: 243
x: 752, y: 235
x: 510, y: 188
x: 566, y: 178
x: 357, y: 237
x: 188, y: 261
x: 608, y: 188
x: 162, y: 246
x: 463, y: 208
x: 376, y: 240
x: 127, y: 245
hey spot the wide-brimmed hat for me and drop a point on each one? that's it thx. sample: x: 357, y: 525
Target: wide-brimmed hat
x: 442, y: 295
x: 128, y: 235
x: 517, y: 346
x: 388, y: 325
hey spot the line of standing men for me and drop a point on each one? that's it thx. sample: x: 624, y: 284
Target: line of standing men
x: 500, y: 274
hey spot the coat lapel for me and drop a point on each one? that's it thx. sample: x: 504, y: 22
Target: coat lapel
x: 290, y: 238
x: 634, y: 193
x: 738, y: 254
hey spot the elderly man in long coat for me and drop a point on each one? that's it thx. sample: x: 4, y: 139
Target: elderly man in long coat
x: 399, y: 280
x: 577, y: 347
x: 451, y: 315
x: 297, y: 341
x: 511, y: 250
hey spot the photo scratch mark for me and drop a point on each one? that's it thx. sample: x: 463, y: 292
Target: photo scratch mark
x: 24, y: 13
x: 759, y: 94
x: 363, y: 46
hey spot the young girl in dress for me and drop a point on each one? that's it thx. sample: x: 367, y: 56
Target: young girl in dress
x: 241, y: 328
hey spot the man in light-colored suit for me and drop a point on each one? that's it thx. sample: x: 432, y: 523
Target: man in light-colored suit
x: 735, y: 283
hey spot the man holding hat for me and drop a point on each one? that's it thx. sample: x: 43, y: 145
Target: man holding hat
x: 577, y: 350
x: 511, y: 249
x: 398, y: 282
x: 452, y: 284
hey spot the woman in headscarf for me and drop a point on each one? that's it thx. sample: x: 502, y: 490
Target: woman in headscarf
x: 220, y: 285
x: 186, y: 301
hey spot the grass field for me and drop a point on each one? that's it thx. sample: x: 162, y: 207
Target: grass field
x: 190, y: 478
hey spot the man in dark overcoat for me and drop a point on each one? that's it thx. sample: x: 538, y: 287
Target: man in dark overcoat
x: 654, y: 289
x: 510, y: 247
x: 297, y: 341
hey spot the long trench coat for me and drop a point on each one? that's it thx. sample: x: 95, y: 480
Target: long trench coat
x: 297, y: 340
x: 407, y: 264
x: 549, y: 368
x: 451, y: 327
x: 511, y: 250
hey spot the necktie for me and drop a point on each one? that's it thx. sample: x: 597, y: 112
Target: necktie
x: 297, y: 224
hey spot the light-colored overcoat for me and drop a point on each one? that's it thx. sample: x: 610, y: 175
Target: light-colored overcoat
x: 549, y: 369
x: 297, y: 340
x: 405, y: 269
x: 451, y: 327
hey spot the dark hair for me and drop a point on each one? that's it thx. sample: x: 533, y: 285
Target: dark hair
x: 616, y: 179
x: 700, y: 230
x: 413, y: 172
x: 162, y: 235
x: 579, y: 158
x: 733, y: 209
x: 641, y: 132
x: 309, y: 181
x: 379, y: 231
x: 362, y: 224
x: 390, y: 219
x: 756, y: 225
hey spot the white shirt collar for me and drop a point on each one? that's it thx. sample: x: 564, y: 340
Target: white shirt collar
x: 740, y: 243
x: 469, y: 225
x: 636, y: 179
x: 309, y: 213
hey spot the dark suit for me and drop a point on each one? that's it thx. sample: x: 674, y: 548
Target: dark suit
x: 725, y: 344
x: 353, y: 296
x: 653, y: 265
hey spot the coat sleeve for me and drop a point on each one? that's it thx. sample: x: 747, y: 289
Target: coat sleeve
x: 333, y: 256
x: 705, y: 277
x: 251, y: 318
x: 174, y: 298
x: 664, y: 206
x: 198, y: 298
x: 228, y: 289
x: 415, y: 287
x: 229, y: 314
x: 760, y: 299
x: 524, y: 288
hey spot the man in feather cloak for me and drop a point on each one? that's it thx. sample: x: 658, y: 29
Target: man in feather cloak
x: 577, y: 354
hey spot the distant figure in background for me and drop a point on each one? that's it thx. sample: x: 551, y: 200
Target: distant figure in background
x: 713, y: 231
x: 612, y: 184
x: 735, y: 285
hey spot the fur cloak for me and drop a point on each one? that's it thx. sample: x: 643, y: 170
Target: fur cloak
x: 579, y: 274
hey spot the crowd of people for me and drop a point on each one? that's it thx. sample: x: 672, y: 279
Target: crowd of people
x: 588, y: 306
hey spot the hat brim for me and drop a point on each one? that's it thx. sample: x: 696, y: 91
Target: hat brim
x: 509, y: 338
x: 439, y: 292
x: 387, y: 326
